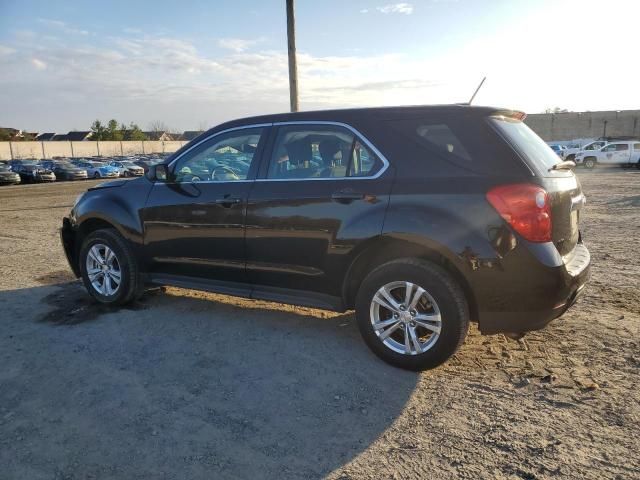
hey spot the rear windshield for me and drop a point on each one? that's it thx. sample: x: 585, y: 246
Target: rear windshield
x: 527, y: 143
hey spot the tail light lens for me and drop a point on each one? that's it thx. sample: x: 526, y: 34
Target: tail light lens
x: 526, y: 208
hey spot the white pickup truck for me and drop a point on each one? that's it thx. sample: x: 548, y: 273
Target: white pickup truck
x: 573, y: 150
x: 615, y: 153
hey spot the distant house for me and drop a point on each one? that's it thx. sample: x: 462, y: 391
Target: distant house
x: 159, y: 136
x: 59, y: 137
x: 190, y: 135
x: 45, y: 137
x: 80, y: 136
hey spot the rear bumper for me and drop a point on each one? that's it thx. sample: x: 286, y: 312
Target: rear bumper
x: 68, y: 239
x: 547, y: 293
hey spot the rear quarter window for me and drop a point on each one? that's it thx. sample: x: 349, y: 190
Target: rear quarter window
x: 450, y: 145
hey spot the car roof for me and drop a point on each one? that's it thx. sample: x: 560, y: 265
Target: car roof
x: 379, y: 113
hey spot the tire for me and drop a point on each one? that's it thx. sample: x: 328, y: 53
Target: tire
x: 96, y: 175
x: 442, y: 298
x: 130, y: 285
x: 571, y: 157
x: 638, y: 165
x: 126, y: 173
x: 589, y: 163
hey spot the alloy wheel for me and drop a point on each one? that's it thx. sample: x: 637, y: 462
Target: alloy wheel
x: 405, y: 317
x: 103, y: 270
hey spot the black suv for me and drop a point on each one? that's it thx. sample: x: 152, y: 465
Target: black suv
x: 421, y: 218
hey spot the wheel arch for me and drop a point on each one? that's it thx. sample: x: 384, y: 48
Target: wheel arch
x: 384, y: 249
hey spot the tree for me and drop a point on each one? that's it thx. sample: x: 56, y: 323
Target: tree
x: 98, y: 130
x: 555, y: 110
x: 158, y: 126
x: 135, y: 133
x: 112, y: 132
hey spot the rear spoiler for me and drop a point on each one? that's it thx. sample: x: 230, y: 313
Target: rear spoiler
x: 515, y: 114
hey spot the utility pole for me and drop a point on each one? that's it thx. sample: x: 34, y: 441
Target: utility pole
x: 291, y: 46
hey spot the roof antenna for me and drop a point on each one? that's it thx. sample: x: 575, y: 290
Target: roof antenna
x: 476, y: 92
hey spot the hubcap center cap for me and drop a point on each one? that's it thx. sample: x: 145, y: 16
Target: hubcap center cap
x: 405, y: 317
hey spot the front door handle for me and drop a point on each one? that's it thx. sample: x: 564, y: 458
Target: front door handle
x: 227, y: 201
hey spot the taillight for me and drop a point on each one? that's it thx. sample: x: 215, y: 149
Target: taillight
x: 526, y: 208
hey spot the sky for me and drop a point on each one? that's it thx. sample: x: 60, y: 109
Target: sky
x: 193, y: 64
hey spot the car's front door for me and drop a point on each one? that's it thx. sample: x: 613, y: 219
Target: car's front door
x: 321, y: 191
x: 194, y: 222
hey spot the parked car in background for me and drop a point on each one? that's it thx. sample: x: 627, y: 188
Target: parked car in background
x: 7, y: 176
x: 145, y: 164
x: 32, y: 172
x: 98, y: 170
x: 127, y: 169
x: 421, y: 218
x: 67, y: 170
x: 558, y: 149
x: 625, y: 153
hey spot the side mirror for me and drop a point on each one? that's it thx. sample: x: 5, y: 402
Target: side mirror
x: 158, y: 173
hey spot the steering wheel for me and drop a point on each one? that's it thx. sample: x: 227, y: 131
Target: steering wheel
x: 227, y: 171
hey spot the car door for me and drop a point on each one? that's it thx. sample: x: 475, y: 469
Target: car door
x: 615, y: 153
x: 322, y: 190
x: 194, y: 222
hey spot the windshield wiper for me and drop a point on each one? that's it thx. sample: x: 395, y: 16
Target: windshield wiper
x: 564, y: 165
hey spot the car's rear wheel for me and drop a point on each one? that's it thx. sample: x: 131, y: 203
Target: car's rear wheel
x: 109, y: 269
x: 96, y: 175
x: 412, y: 314
x: 589, y: 163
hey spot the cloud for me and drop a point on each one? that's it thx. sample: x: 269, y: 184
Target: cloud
x: 403, y: 8
x: 59, y: 24
x: 38, y: 64
x: 238, y: 44
x: 364, y: 10
x: 6, y: 50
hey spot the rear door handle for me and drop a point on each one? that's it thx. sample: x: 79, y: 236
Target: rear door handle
x: 346, y: 196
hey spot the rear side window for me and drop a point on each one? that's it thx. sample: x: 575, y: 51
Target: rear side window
x: 436, y: 137
x: 526, y: 142
x: 616, y: 147
x: 320, y: 151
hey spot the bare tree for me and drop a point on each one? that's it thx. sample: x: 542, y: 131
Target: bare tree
x: 158, y: 126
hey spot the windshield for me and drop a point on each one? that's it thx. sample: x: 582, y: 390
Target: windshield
x: 527, y: 143
x: 128, y: 164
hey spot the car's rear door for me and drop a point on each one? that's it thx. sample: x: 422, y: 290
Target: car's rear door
x: 615, y: 153
x: 194, y: 223
x: 322, y: 190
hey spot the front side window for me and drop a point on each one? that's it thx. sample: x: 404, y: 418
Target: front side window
x: 320, y: 151
x: 224, y: 158
x: 610, y: 148
x: 636, y: 146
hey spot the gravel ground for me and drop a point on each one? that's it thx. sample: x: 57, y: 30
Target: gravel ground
x: 191, y: 385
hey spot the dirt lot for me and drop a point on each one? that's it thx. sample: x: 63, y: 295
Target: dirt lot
x: 191, y: 385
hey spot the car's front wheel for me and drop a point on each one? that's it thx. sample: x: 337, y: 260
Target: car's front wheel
x: 109, y: 269
x: 589, y: 163
x: 412, y: 313
x: 96, y: 175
